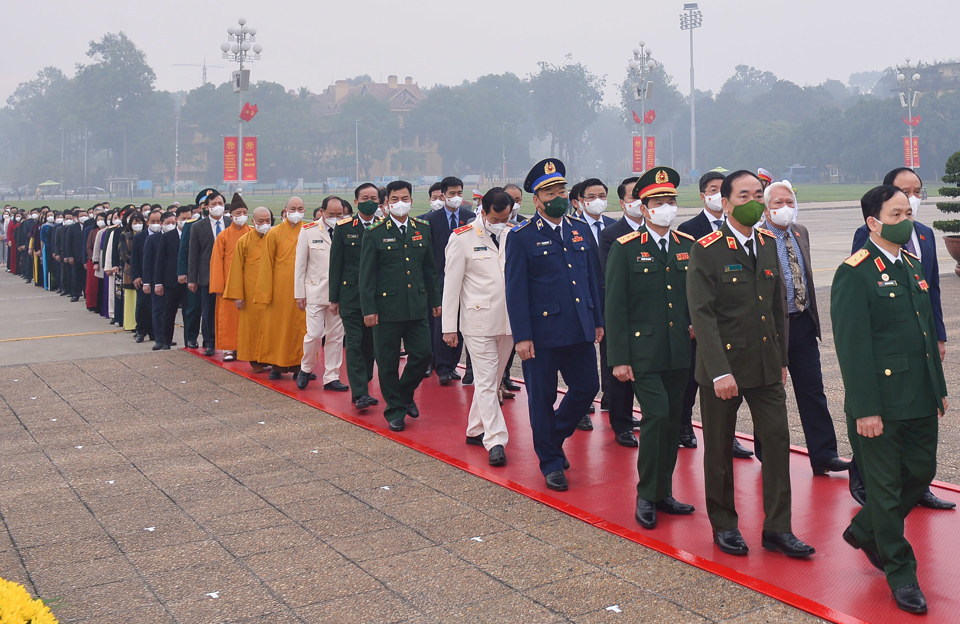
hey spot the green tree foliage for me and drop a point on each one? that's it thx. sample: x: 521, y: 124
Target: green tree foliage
x: 566, y: 100
x: 951, y: 176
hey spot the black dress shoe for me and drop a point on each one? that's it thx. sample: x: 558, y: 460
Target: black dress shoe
x: 740, y: 452
x: 872, y: 555
x: 787, y: 543
x: 930, y: 501
x: 497, y: 456
x: 209, y: 351
x: 909, y: 598
x: 834, y: 464
x: 476, y: 440
x: 585, y: 423
x: 313, y: 376
x: 166, y: 347
x: 397, y: 424
x: 635, y: 423
x: 172, y: 344
x: 627, y: 438
x: 427, y: 373
x: 646, y: 514
x: 510, y: 385
x: 455, y: 375
x: 446, y: 379
x: 687, y: 437
x: 303, y: 378
x: 857, y: 489
x: 157, y: 346
x: 74, y: 299
x: 556, y: 480
x: 192, y: 344
x: 275, y: 374
x: 591, y: 409
x: 412, y: 410
x: 730, y: 542
x: 674, y: 507
x: 139, y: 338
x: 467, y: 377
x: 336, y: 386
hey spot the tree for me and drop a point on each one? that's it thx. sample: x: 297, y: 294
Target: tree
x: 566, y: 99
x: 665, y: 98
x: 367, y: 120
x: 747, y: 83
x: 951, y: 176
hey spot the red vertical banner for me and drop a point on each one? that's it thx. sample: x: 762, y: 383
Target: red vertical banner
x: 230, y: 159
x: 249, y: 159
x: 637, y: 154
x: 906, y: 151
x: 916, y: 152
x: 650, y: 153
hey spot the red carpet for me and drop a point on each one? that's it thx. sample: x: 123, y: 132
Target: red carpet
x: 836, y: 584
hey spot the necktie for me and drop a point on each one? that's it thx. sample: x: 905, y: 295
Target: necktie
x: 749, y: 247
x: 330, y: 231
x: 217, y: 230
x: 597, y: 227
x: 403, y: 230
x: 663, y: 245
x: 898, y: 264
x: 453, y: 222
x: 496, y: 243
x: 799, y: 290
x: 718, y: 223
x: 910, y: 247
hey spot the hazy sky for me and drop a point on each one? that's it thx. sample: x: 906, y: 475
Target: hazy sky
x: 310, y: 44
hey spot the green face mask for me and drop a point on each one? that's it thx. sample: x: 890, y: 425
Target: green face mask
x: 556, y: 207
x: 898, y: 233
x: 748, y: 214
x: 368, y: 207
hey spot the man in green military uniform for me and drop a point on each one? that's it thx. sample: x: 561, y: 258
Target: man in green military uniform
x: 887, y: 349
x: 736, y: 308
x: 345, y: 293
x: 398, y: 283
x: 648, y: 326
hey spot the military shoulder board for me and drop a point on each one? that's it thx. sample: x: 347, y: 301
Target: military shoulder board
x: 626, y: 238
x: 767, y: 232
x: 710, y: 239
x: 462, y: 229
x: 345, y: 221
x: 857, y: 258
x: 310, y: 225
x: 683, y: 234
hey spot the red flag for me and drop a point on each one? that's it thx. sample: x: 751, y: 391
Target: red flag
x: 650, y: 116
x: 636, y: 117
x: 253, y: 111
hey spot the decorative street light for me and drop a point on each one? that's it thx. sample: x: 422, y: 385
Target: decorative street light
x: 691, y: 20
x: 908, y: 100
x: 241, y: 47
x: 643, y: 65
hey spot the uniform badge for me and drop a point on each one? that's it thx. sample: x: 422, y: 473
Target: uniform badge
x: 577, y: 239
x: 543, y: 243
x: 549, y: 167
x: 662, y: 177
x: 482, y: 248
x: 731, y: 242
x: 389, y: 240
x: 880, y: 265
x: 353, y: 236
x: 768, y: 272
x: 923, y: 285
x: 644, y: 257
x: 884, y: 276
x: 727, y: 268
x: 417, y: 236
x: 682, y: 256
x: 887, y: 283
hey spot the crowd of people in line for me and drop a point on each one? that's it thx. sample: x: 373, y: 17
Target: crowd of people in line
x: 722, y: 306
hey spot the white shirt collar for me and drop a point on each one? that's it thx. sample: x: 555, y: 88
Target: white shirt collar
x: 711, y: 218
x: 398, y: 224
x: 591, y: 220
x: 743, y: 239
x: 656, y: 237
x: 890, y: 256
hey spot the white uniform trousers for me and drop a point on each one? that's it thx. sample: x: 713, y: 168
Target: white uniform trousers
x: 489, y: 355
x: 321, y: 323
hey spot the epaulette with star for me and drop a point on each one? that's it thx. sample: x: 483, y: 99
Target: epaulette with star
x: 767, y: 232
x: 520, y: 226
x: 463, y: 228
x: 575, y: 218
x: 710, y: 239
x: 857, y: 258
x: 419, y: 221
x: 380, y: 223
x: 345, y: 220
x: 626, y: 238
x: 309, y: 225
x: 683, y: 234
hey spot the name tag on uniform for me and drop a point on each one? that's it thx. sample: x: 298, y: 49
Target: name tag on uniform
x: 682, y: 256
x: 319, y: 240
x: 389, y: 240
x: 727, y: 268
x: 353, y: 236
x: 484, y: 248
x: 889, y: 284
x: 543, y: 243
x: 644, y: 257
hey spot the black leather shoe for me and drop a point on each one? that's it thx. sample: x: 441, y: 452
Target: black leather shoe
x: 209, y: 351
x: 275, y: 374
x: 412, y: 410
x: 740, y: 452
x: 585, y: 423
x: 556, y: 480
x: 627, y: 439
x: 787, y: 543
x: 364, y: 402
x: 909, y: 598
x: 687, y: 437
x: 74, y: 299
x: 834, y: 464
x: 646, y: 514
x: 930, y: 501
x: 313, y: 376
x: 635, y: 423
x: 192, y: 344
x: 730, y: 542
x: 497, y: 456
x: 674, y: 507
x: 336, y: 386
x: 857, y: 489
x: 467, y: 377
x: 510, y: 385
x: 476, y: 440
x: 872, y: 555
x: 455, y: 375
x: 138, y: 338
x: 166, y: 347
x: 157, y: 346
x: 397, y: 424
x: 303, y: 378
x: 172, y: 344
x: 446, y: 379
x: 591, y: 409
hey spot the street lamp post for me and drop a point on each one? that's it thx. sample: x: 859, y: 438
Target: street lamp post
x: 908, y: 99
x: 241, y: 48
x: 691, y: 20
x: 643, y: 65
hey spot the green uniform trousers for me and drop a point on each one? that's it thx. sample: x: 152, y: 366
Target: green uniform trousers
x: 397, y: 390
x: 660, y: 395
x: 768, y: 410
x: 358, y: 346
x: 897, y: 466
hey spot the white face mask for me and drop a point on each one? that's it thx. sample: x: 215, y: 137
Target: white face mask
x: 436, y: 204
x: 294, y: 217
x: 101, y: 223
x: 19, y: 218
x: 137, y: 227
x: 663, y: 215
x: 216, y: 211
x: 117, y: 221
x: 914, y: 204
x: 83, y: 219
x: 783, y: 216
x: 714, y: 202
x: 240, y: 221
x: 331, y: 221
x: 596, y: 207
x: 146, y: 213
x: 154, y: 227
x: 497, y: 228
x: 634, y: 208
x: 263, y: 228
x: 454, y: 202
x: 51, y: 219
x: 400, y: 209
x: 68, y: 221
x: 180, y: 224
x: 33, y: 215
x: 168, y: 227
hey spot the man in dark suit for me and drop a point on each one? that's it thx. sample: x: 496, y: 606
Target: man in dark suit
x: 202, y: 236
x: 706, y: 222
x: 619, y: 394
x: 157, y: 303
x: 144, y: 322
x: 803, y: 328
x: 442, y: 223
x: 923, y: 245
x: 73, y: 254
x: 166, y: 277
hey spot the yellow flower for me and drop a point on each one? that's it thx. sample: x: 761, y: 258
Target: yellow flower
x: 17, y: 607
